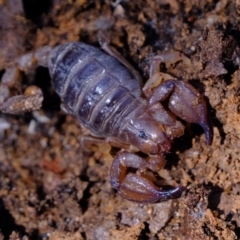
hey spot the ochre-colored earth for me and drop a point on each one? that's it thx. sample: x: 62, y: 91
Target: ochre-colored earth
x: 52, y: 187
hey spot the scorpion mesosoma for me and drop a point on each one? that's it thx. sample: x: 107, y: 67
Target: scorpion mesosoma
x: 103, y: 91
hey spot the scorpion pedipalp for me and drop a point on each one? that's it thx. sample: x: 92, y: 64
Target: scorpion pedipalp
x: 138, y: 187
x: 190, y: 106
x: 184, y: 101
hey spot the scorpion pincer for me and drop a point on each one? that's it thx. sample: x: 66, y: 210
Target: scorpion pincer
x: 103, y: 91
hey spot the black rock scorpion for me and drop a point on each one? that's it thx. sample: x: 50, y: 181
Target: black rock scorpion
x: 103, y: 91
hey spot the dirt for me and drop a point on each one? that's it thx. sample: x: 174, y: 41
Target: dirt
x: 53, y: 187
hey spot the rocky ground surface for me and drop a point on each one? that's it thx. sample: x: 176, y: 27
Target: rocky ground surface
x: 51, y: 187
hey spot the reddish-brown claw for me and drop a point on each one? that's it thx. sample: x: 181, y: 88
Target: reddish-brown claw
x: 185, y: 102
x: 138, y: 187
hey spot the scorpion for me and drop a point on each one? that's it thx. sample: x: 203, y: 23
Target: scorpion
x: 103, y: 91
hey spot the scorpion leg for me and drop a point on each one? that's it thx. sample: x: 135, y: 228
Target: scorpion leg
x: 105, y: 45
x: 157, y: 77
x: 139, y: 187
x: 32, y: 98
x: 184, y: 100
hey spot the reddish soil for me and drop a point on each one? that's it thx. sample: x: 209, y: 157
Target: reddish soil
x: 53, y: 188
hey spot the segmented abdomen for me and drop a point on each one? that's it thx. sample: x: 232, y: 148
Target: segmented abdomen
x: 95, y: 87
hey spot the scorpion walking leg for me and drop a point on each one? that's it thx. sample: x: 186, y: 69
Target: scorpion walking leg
x: 138, y: 186
x: 157, y: 77
x: 184, y: 100
x: 105, y: 44
x: 169, y: 58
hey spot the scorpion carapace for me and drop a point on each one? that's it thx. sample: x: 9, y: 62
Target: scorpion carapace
x: 103, y: 91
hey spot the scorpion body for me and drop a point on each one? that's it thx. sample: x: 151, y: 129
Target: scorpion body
x: 103, y: 96
x: 103, y: 91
